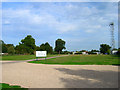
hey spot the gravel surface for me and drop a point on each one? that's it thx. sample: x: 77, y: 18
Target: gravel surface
x: 30, y: 75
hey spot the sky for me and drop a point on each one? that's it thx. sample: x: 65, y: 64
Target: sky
x: 83, y: 25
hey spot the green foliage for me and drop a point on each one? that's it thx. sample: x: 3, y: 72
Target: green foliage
x: 59, y: 45
x: 46, y: 47
x: 54, y: 52
x: 104, y: 48
x: 115, y: 49
x: 93, y: 51
x: 118, y: 52
x: 78, y: 53
x: 83, y: 51
x: 65, y: 52
x: 42, y: 47
x: 11, y: 50
x: 37, y: 48
x: 7, y: 48
x: 9, y: 45
x: 2, y: 42
x: 4, y: 47
x: 18, y: 49
x: 26, y: 46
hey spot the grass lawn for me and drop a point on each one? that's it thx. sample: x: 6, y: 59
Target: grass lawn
x: 81, y: 60
x: 21, y: 57
x: 5, y: 86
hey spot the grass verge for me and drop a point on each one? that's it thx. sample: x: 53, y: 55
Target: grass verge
x: 21, y: 57
x: 81, y: 60
x: 5, y: 86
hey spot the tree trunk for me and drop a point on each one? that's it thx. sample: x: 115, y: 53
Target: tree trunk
x: 59, y: 52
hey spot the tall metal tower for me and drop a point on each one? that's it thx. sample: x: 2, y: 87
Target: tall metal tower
x: 112, y: 35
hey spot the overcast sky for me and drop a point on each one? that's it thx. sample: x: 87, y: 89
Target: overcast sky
x: 83, y: 25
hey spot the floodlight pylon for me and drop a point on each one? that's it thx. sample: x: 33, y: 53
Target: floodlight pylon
x: 112, y: 35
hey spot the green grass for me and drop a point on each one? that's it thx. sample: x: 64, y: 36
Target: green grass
x: 81, y: 60
x: 21, y: 57
x: 5, y: 86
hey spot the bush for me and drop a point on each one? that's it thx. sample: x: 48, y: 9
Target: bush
x: 11, y: 50
x: 55, y: 52
x: 79, y: 53
x: 118, y: 52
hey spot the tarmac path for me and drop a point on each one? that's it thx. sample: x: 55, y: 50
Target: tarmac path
x: 30, y: 75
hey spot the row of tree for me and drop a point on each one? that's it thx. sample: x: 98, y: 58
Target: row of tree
x: 45, y: 47
x: 7, y: 48
x: 27, y: 46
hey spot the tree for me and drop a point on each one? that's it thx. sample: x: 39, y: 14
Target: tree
x: 17, y: 49
x: 66, y: 52
x: 59, y: 45
x: 94, y: 51
x: 105, y: 49
x: 118, y: 51
x: 83, y: 51
x: 42, y: 47
x: 46, y: 47
x: 1, y: 42
x: 20, y: 49
x: 11, y: 50
x: 26, y: 46
x: 4, y: 47
x: 9, y: 45
x: 37, y: 48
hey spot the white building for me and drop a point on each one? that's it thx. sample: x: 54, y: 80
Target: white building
x: 114, y: 51
x: 96, y: 53
x: 84, y: 53
x: 74, y: 53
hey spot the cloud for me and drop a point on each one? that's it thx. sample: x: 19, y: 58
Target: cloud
x: 65, y: 20
x: 6, y: 22
x: 60, y: 1
x: 26, y: 17
x: 74, y: 17
x: 89, y: 31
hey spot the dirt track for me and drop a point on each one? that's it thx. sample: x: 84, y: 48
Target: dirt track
x: 60, y: 76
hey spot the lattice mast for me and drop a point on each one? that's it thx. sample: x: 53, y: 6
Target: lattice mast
x: 112, y: 35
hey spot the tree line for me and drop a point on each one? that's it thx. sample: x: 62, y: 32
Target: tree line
x: 27, y: 46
